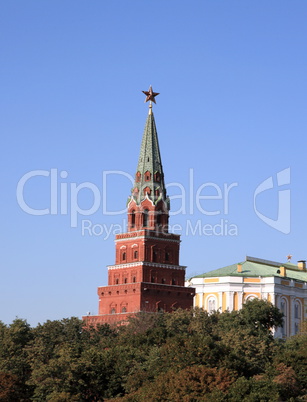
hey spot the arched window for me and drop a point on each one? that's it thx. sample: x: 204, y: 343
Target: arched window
x: 138, y: 176
x: 145, y: 217
x: 134, y: 279
x: 135, y: 254
x: 132, y: 218
x: 297, y: 310
x: 211, y: 304
x: 116, y: 281
x: 125, y: 280
x: 147, y: 190
x: 113, y: 311
x: 124, y: 256
x: 124, y: 310
x: 147, y: 176
x: 166, y: 256
x: 297, y: 316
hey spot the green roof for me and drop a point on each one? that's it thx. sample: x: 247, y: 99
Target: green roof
x: 255, y: 267
x: 150, y: 162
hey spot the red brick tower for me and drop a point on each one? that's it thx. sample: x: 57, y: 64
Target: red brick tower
x: 146, y: 275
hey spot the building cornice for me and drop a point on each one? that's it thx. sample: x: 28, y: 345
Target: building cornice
x: 145, y: 263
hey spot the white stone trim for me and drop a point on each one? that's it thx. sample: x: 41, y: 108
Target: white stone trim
x: 149, y: 237
x: 146, y: 263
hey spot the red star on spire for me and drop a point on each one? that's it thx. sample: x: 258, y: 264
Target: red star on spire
x: 150, y: 95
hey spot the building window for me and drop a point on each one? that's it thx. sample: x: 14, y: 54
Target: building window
x: 138, y: 176
x: 147, y: 176
x: 113, y: 311
x: 133, y: 218
x: 125, y: 280
x: 145, y: 218
x: 147, y: 190
x: 124, y: 256
x: 296, y: 328
x: 297, y: 315
x: 116, y: 281
x: 134, y: 279
x: 135, y: 254
x: 166, y: 256
x: 211, y: 305
x: 124, y: 310
x: 297, y: 310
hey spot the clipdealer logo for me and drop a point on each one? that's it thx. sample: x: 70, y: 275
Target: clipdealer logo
x: 283, y: 221
x: 65, y: 200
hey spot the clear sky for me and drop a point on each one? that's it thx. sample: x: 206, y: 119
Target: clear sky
x: 231, y: 112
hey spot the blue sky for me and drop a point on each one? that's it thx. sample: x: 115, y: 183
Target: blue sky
x: 232, y: 111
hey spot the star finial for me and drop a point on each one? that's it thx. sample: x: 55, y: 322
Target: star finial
x: 150, y: 95
x: 289, y: 257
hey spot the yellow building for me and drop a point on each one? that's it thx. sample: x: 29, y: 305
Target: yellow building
x: 284, y: 285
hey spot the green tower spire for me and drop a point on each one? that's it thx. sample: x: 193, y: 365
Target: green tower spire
x: 149, y: 178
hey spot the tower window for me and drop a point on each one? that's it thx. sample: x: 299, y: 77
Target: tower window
x: 124, y: 256
x: 145, y: 217
x: 134, y: 279
x: 166, y: 256
x: 135, y: 254
x: 125, y: 280
x: 113, y: 311
x: 138, y: 176
x: 148, y: 159
x: 133, y: 218
x: 147, y: 176
x: 147, y: 190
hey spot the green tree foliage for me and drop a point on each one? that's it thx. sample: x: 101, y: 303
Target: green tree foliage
x: 14, y: 363
x: 182, y: 356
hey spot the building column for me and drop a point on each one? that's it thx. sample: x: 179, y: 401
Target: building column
x: 229, y: 301
x: 292, y: 316
x: 240, y: 300
x: 220, y: 302
x: 276, y: 302
x: 201, y: 300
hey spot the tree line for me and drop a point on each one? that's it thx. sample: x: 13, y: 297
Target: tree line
x: 178, y: 356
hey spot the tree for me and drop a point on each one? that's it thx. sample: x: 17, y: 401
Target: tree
x: 14, y: 357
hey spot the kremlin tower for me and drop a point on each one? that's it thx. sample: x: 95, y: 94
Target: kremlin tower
x: 146, y: 275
